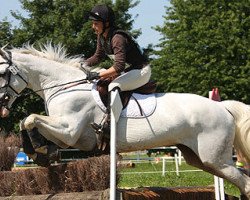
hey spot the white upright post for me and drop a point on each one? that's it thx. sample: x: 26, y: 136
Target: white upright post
x: 176, y: 164
x: 115, y: 111
x: 219, y: 188
x: 179, y: 156
x: 216, y: 188
x: 218, y: 182
x: 163, y: 166
x: 222, y: 192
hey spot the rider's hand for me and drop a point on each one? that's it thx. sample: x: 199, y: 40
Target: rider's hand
x: 92, y: 75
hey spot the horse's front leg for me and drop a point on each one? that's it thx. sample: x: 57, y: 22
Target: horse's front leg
x: 29, y: 124
x: 63, y: 131
x: 50, y: 127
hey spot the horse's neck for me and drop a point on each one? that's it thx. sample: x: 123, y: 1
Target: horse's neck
x: 43, y: 73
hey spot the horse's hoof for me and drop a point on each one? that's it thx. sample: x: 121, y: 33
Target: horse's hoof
x: 50, y: 152
x: 42, y: 160
x: 244, y: 171
x: 53, y: 153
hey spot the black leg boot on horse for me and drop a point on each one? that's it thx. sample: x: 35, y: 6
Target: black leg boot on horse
x: 37, y: 147
x: 28, y: 148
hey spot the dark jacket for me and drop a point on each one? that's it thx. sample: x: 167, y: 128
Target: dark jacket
x: 123, y: 47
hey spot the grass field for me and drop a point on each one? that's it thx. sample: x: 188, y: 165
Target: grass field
x: 149, y: 173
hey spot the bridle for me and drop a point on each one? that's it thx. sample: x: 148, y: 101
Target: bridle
x: 12, y: 69
x: 5, y: 78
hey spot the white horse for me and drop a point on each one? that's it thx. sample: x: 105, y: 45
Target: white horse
x: 203, y: 129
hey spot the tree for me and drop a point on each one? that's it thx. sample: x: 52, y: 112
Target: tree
x: 66, y: 22
x: 205, y: 44
x: 5, y: 33
x: 58, y: 21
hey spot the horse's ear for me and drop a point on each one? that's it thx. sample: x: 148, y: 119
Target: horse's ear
x: 3, y: 53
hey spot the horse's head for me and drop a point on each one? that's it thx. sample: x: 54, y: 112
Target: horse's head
x: 9, y: 83
x: 36, y: 69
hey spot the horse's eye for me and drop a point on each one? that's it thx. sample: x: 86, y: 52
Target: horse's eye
x: 6, y: 97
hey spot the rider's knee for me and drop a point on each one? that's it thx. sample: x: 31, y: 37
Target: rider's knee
x: 146, y: 71
x: 114, y: 85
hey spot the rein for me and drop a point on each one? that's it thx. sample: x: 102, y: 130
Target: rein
x: 78, y: 82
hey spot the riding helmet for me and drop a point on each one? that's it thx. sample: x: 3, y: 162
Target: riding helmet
x: 102, y: 13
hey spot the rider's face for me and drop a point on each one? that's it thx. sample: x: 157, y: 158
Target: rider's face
x: 97, y: 27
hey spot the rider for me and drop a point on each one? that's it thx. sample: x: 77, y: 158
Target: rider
x: 130, y: 68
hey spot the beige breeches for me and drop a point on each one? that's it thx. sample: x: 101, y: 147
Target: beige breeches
x: 132, y: 79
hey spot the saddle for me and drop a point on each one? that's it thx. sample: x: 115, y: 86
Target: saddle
x: 102, y: 88
x: 103, y: 131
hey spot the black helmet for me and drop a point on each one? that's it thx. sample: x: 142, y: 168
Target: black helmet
x: 102, y: 13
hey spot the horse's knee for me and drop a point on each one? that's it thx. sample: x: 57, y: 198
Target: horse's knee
x: 71, y: 141
x: 28, y: 123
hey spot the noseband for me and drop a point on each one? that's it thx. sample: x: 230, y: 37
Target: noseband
x: 5, y: 78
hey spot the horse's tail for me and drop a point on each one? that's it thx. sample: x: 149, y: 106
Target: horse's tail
x: 241, y: 114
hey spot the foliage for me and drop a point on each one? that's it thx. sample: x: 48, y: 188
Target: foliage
x: 59, y: 21
x: 5, y: 33
x: 66, y: 22
x: 205, y: 44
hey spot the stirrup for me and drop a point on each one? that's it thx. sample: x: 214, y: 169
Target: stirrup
x: 97, y: 127
x: 102, y: 139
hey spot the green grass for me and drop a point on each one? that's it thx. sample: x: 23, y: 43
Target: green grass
x: 197, y: 178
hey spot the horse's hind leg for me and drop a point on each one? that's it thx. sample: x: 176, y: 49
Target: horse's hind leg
x: 224, y: 168
x: 236, y: 177
x: 221, y: 164
x: 227, y: 171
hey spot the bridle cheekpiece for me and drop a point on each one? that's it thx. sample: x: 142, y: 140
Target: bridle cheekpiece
x: 5, y: 77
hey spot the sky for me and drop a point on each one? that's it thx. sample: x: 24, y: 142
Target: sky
x: 150, y: 14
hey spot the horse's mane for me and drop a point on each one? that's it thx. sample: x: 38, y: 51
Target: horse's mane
x: 56, y: 53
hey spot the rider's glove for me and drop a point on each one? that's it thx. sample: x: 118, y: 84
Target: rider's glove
x: 92, y: 75
x: 84, y: 67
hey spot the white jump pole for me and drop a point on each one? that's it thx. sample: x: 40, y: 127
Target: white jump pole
x: 222, y: 192
x: 115, y: 111
x: 179, y: 156
x: 176, y: 164
x: 218, y: 182
x: 219, y: 188
x: 163, y: 166
x: 216, y: 187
